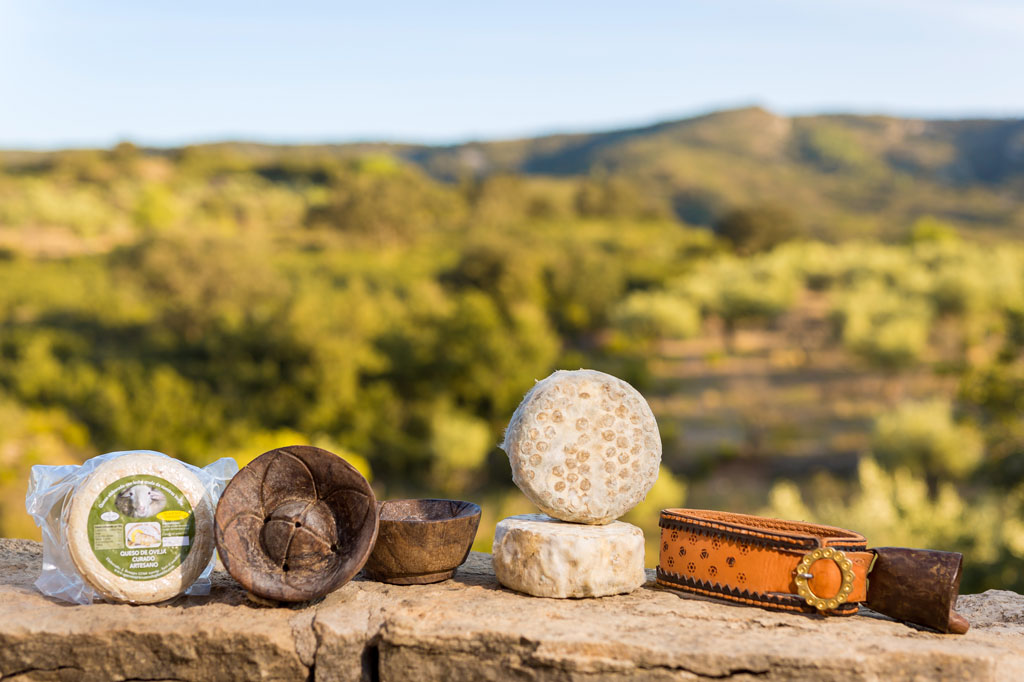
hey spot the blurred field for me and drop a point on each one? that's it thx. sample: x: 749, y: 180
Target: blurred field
x: 221, y: 301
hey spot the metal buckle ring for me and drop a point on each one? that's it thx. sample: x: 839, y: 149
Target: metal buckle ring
x: 803, y: 574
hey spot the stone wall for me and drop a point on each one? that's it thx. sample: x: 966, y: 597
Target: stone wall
x: 470, y: 628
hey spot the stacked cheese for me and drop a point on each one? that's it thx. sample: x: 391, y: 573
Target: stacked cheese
x: 584, y: 447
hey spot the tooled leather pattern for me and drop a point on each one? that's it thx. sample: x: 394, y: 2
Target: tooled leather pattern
x: 752, y: 560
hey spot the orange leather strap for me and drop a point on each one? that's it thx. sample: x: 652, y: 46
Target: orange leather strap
x: 753, y: 560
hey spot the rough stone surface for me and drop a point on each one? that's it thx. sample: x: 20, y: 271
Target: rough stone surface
x: 583, y: 446
x: 469, y: 628
x: 539, y: 555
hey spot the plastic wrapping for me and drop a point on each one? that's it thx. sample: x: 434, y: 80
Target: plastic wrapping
x: 50, y: 491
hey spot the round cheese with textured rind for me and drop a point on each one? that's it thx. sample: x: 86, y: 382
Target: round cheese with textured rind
x: 140, y: 528
x: 539, y: 555
x: 584, y: 446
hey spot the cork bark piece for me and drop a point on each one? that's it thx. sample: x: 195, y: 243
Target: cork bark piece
x: 296, y: 523
x: 584, y: 446
x: 95, y: 572
x: 538, y: 555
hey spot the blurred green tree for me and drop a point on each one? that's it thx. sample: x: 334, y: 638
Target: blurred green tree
x: 923, y: 436
x: 758, y: 227
x: 383, y: 201
x: 613, y: 196
x: 646, y: 316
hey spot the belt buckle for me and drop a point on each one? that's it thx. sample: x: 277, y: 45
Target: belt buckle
x: 803, y: 574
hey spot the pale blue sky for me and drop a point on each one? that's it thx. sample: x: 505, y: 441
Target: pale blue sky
x: 93, y: 73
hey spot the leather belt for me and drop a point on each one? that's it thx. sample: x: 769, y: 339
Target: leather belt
x: 806, y: 567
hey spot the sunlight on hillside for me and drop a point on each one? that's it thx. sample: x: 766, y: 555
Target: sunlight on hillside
x: 849, y: 355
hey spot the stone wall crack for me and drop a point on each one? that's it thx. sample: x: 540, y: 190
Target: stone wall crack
x: 28, y: 671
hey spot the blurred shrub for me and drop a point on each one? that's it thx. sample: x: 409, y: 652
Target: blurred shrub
x: 245, y: 204
x: 867, y: 263
x: 449, y: 368
x: 667, y: 492
x: 696, y: 206
x: 613, y: 196
x: 486, y: 360
x: 759, y: 227
x: 929, y: 229
x: 1013, y: 343
x: 817, y: 264
x: 156, y: 209
x: 201, y: 284
x: 502, y: 268
x: 896, y: 509
x: 460, y: 443
x: 654, y: 315
x: 252, y: 445
x: 994, y: 397
x: 959, y: 291
x: 503, y: 200
x: 29, y: 437
x: 35, y: 202
x: 582, y: 289
x: 83, y: 166
x: 385, y: 202
x: 249, y: 446
x: 736, y: 290
x: 998, y: 390
x: 923, y: 437
x: 887, y: 328
x: 753, y: 293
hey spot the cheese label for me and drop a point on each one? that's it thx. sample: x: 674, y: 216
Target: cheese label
x: 141, y: 527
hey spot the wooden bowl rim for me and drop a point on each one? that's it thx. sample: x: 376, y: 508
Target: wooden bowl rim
x: 470, y: 509
x: 252, y: 579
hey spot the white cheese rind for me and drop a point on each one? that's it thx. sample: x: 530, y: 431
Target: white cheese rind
x: 120, y: 589
x: 584, y: 446
x: 538, y: 555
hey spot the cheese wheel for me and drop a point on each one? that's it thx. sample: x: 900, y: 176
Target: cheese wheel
x: 140, y: 528
x: 584, y: 446
x: 538, y: 555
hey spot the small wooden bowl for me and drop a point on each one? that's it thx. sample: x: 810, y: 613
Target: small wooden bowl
x: 422, y: 541
x: 295, y: 524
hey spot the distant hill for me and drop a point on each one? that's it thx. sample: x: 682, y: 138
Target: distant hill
x: 844, y: 175
x: 859, y: 174
x: 961, y: 152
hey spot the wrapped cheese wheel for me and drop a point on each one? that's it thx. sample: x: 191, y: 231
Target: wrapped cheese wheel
x: 140, y: 528
x: 584, y: 446
x: 133, y: 527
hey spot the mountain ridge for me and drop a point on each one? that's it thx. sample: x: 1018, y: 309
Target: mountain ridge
x: 870, y: 175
